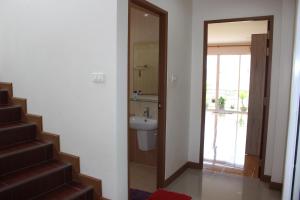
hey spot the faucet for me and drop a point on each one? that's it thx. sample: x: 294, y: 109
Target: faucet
x: 147, y: 112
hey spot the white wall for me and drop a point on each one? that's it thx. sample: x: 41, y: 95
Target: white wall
x: 283, y: 32
x: 179, y: 49
x: 121, y: 92
x: 294, y: 109
x: 49, y: 48
x: 286, y: 60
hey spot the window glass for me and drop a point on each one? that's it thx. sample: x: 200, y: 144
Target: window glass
x: 229, y: 80
x: 211, y: 83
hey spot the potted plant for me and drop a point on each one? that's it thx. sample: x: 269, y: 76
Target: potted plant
x: 221, y: 103
x: 243, y: 96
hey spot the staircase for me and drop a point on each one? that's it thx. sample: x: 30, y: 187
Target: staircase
x: 31, y: 164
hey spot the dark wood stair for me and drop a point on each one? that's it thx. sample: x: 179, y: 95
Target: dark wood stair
x: 17, y: 133
x: 31, y: 164
x: 70, y: 191
x: 10, y: 114
x: 33, y: 181
x: 4, y: 96
x: 24, y: 155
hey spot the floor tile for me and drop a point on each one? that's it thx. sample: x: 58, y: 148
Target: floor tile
x: 214, y: 186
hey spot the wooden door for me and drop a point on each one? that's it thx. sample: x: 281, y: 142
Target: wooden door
x: 256, y: 94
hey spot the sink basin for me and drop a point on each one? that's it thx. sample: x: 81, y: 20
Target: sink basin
x: 142, y: 123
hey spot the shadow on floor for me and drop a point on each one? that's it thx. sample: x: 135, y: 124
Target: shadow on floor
x: 139, y: 195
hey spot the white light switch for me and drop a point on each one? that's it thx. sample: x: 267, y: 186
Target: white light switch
x: 173, y: 78
x: 98, y: 77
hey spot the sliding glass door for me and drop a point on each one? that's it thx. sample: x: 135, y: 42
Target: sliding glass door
x: 228, y: 79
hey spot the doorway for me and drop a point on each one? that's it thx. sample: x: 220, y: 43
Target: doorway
x: 147, y: 71
x: 235, y: 98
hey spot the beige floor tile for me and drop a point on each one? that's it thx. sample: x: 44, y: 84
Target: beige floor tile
x: 142, y: 177
x: 213, y: 186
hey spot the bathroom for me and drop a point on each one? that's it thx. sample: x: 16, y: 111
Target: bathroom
x: 143, y: 99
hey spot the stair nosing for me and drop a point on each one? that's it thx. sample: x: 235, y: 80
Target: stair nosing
x: 16, y: 125
x: 10, y: 106
x: 26, y: 149
x: 79, y: 191
x: 40, y: 175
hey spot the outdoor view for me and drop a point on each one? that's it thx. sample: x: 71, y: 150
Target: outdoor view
x: 228, y: 78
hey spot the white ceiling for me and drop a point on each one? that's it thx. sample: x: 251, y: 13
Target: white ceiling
x: 235, y: 32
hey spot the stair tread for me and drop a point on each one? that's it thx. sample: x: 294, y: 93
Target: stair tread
x: 22, y: 147
x: 13, y: 125
x: 67, y: 191
x: 2, y: 107
x: 27, y: 174
x: 10, y: 113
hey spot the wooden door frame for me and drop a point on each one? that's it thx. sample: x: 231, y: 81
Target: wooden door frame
x: 270, y: 20
x: 162, y: 91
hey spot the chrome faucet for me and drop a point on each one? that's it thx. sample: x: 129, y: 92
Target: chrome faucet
x: 147, y: 112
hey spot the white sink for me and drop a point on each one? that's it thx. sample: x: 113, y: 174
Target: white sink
x: 142, y: 123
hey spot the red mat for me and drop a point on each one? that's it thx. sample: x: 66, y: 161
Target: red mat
x: 165, y: 195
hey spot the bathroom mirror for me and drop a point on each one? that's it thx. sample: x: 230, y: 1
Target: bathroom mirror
x: 145, y: 67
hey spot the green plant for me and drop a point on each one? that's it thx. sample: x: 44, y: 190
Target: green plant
x: 243, y: 96
x: 221, y: 102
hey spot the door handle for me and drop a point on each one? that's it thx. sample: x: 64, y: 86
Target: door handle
x: 159, y: 106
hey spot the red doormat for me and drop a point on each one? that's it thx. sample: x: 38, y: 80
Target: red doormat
x: 165, y: 195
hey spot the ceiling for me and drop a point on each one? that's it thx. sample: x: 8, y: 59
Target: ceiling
x: 235, y: 32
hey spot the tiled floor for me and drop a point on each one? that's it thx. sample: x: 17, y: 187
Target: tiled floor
x: 215, y: 186
x: 142, y: 177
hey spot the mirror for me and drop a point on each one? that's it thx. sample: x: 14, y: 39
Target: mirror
x: 145, y: 67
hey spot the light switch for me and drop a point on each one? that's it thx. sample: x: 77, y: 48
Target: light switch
x: 98, y: 77
x: 173, y: 78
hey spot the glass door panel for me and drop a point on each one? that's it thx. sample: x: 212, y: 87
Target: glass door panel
x: 228, y: 78
x: 211, y: 84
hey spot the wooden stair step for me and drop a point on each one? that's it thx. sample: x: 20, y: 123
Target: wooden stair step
x: 9, y: 114
x: 70, y: 191
x: 24, y: 155
x: 36, y: 180
x: 16, y: 133
x: 4, y: 97
x: 28, y: 170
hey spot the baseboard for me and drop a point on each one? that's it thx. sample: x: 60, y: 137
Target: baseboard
x: 272, y: 185
x: 276, y: 186
x: 180, y: 171
x: 265, y: 178
x: 193, y: 165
